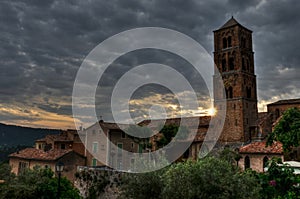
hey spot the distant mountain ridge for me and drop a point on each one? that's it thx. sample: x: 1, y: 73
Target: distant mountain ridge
x: 11, y: 135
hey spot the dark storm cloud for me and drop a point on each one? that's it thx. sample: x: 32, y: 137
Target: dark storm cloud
x: 44, y: 42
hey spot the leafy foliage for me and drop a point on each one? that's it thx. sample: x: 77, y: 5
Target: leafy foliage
x: 206, y: 178
x: 287, y: 131
x: 279, y: 181
x: 36, y: 183
x: 142, y: 185
x: 169, y: 132
x: 6, y: 150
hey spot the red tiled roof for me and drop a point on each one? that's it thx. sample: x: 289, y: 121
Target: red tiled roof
x: 37, y: 154
x: 189, y: 121
x: 61, y: 137
x: 260, y: 147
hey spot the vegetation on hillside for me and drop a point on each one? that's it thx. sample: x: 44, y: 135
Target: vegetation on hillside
x: 11, y: 135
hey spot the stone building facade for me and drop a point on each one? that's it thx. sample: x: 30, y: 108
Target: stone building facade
x: 32, y: 157
x: 233, y: 57
x: 256, y: 155
x: 65, y: 147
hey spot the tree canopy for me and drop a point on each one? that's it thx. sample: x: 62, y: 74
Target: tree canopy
x: 287, y: 131
x: 35, y: 183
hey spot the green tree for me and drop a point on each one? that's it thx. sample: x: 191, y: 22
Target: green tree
x: 142, y: 185
x: 5, y: 172
x: 209, y: 178
x: 279, y: 181
x: 169, y: 132
x: 37, y: 183
x: 287, y: 131
x: 205, y: 178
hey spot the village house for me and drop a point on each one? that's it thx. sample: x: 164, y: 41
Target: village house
x: 65, y: 147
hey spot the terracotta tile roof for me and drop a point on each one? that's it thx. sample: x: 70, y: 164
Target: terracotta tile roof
x: 189, y: 121
x: 260, y: 147
x: 288, y: 101
x: 110, y: 125
x: 60, y: 137
x: 37, y: 154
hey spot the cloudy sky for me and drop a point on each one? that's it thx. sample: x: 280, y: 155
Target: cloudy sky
x: 43, y: 44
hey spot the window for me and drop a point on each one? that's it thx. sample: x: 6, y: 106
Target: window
x: 229, y: 92
x: 231, y: 63
x: 247, y: 162
x: 94, y: 162
x: 62, y: 146
x: 248, y: 92
x: 224, y: 42
x: 22, y: 167
x: 95, y: 147
x: 123, y: 135
x: 265, y: 162
x: 229, y: 42
x: 224, y: 68
x: 140, y: 148
x: 132, y: 145
x: 120, y: 147
x: 94, y: 132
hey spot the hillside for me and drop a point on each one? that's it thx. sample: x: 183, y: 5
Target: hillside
x: 11, y: 135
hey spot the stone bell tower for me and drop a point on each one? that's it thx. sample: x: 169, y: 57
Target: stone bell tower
x: 233, y: 57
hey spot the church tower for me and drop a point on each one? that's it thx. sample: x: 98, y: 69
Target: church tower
x: 233, y: 57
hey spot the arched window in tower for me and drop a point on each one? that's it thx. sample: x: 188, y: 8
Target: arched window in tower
x: 248, y: 65
x: 243, y: 42
x: 224, y: 42
x: 243, y: 64
x: 229, y: 92
x: 265, y: 162
x: 248, y: 92
x: 229, y: 42
x: 224, y: 67
x: 231, y: 63
x: 247, y: 162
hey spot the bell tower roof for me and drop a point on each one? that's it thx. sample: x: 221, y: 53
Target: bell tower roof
x: 232, y: 22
